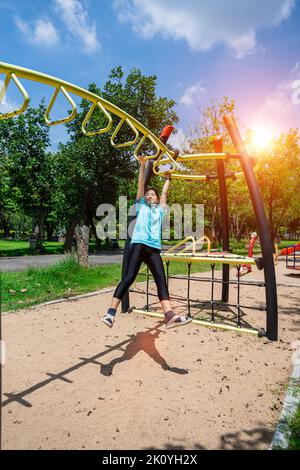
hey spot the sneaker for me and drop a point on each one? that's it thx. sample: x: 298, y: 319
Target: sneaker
x: 177, y: 320
x: 108, y: 320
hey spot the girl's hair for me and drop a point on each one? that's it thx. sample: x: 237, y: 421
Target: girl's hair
x: 152, y: 189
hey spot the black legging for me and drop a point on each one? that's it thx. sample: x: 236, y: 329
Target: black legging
x: 151, y: 256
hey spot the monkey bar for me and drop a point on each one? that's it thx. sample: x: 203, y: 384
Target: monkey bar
x: 15, y: 73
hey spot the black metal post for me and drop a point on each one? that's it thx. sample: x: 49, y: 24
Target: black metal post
x: 218, y: 144
x: 168, y: 269
x: 147, y: 290
x: 238, y: 295
x: 189, y: 289
x: 263, y: 229
x: 212, y: 293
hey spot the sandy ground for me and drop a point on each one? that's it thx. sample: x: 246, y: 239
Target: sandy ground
x: 72, y: 383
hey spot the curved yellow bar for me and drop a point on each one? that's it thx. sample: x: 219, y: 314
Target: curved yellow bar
x: 197, y: 156
x: 10, y: 114
x: 21, y: 72
x: 162, y: 156
x: 50, y: 105
x: 188, y: 158
x: 192, y: 245
x: 149, y: 157
x: 88, y: 116
x: 117, y: 130
x: 181, y: 243
x: 205, y: 239
x: 158, y: 162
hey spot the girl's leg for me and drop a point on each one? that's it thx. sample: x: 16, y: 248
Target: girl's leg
x: 135, y: 262
x: 155, y: 264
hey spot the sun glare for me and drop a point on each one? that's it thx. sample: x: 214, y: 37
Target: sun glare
x: 261, y: 138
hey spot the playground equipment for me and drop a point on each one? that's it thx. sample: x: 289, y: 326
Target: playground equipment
x: 246, y: 268
x: 292, y: 256
x: 189, y: 255
x: 163, y: 156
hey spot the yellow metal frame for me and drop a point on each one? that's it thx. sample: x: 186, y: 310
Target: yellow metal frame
x: 189, y: 238
x: 187, y: 158
x: 194, y: 257
x: 192, y: 245
x: 88, y: 116
x: 219, y: 326
x: 50, y: 105
x: 207, y: 258
x: 162, y: 155
x: 11, y: 75
x: 15, y: 72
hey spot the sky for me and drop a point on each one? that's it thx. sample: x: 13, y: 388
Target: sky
x: 247, y: 50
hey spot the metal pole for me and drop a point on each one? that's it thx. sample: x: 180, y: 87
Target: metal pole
x: 218, y: 144
x: 263, y: 229
x: 189, y: 289
x: 212, y: 293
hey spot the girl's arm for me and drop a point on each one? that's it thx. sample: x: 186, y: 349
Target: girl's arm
x: 141, y: 187
x: 163, y: 197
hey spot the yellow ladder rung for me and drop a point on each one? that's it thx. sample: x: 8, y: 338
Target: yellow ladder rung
x: 19, y: 85
x: 50, y: 106
x: 118, y: 128
x: 88, y: 116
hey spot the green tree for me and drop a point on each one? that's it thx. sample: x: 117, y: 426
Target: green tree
x: 201, y: 141
x: 278, y: 174
x: 27, y: 167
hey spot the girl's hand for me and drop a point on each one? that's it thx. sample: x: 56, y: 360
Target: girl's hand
x: 168, y: 176
x: 142, y: 160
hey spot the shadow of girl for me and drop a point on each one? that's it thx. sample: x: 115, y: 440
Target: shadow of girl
x: 142, y: 341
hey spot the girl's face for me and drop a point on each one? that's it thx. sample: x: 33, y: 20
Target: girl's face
x: 151, y: 197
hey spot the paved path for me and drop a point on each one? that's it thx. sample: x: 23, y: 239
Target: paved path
x: 20, y: 263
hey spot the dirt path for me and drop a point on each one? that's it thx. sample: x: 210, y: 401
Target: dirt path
x: 72, y: 383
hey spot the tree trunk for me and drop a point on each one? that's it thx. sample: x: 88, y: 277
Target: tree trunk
x: 94, y: 232
x: 271, y: 221
x: 6, y: 230
x: 69, y: 236
x: 82, y: 234
x: 49, y: 229
x: 37, y: 236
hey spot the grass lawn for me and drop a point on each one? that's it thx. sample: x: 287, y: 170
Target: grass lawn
x: 21, y: 248
x: 33, y: 286
x: 294, y: 425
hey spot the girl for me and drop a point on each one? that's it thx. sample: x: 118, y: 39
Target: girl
x: 145, y: 247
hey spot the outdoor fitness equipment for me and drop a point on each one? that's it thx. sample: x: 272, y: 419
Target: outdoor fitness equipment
x: 163, y: 156
x: 246, y: 268
x: 292, y: 256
